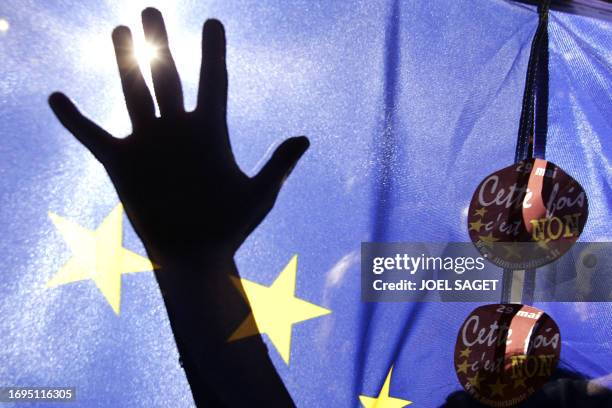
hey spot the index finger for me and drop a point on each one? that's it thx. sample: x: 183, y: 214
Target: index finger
x: 166, y: 81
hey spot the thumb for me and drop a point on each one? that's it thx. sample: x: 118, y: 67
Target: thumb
x: 274, y: 173
x: 96, y: 139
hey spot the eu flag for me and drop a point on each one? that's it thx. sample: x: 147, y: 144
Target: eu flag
x: 407, y: 104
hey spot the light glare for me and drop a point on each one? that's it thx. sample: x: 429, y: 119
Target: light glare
x: 4, y: 25
x: 145, y: 54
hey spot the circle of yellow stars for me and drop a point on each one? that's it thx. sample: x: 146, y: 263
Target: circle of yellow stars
x: 477, y: 225
x: 462, y: 368
x: 495, y: 389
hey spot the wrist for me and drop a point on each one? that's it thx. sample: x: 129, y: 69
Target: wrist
x: 199, y: 291
x: 195, y: 259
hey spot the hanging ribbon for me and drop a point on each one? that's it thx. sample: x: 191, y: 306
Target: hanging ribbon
x: 533, y: 129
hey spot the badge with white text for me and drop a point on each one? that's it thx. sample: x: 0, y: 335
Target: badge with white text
x: 527, y: 215
x: 506, y: 352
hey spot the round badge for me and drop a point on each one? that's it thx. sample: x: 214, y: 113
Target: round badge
x: 506, y: 352
x: 527, y: 215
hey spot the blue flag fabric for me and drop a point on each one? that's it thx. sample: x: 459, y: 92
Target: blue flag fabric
x: 408, y: 105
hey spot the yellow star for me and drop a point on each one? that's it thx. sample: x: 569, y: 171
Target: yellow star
x: 462, y: 368
x: 275, y: 310
x: 543, y: 244
x: 384, y: 400
x: 497, y: 388
x: 476, y: 226
x: 465, y: 352
x: 98, y: 255
x: 512, y: 251
x: 480, y: 212
x: 488, y: 239
x: 520, y: 381
x: 475, y: 380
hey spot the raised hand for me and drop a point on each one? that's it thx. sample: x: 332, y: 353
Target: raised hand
x: 176, y: 174
x: 192, y: 207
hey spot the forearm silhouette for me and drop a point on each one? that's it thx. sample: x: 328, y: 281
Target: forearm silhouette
x: 192, y: 207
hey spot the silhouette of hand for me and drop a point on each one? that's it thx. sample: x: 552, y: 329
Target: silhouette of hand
x: 192, y: 207
x: 176, y: 174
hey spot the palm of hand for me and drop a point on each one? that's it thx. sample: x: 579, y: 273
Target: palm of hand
x: 176, y: 174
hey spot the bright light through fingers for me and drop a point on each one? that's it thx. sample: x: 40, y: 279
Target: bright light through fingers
x: 95, y: 50
x: 145, y: 54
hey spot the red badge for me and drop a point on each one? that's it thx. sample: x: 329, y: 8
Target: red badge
x: 505, y: 352
x: 527, y: 215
